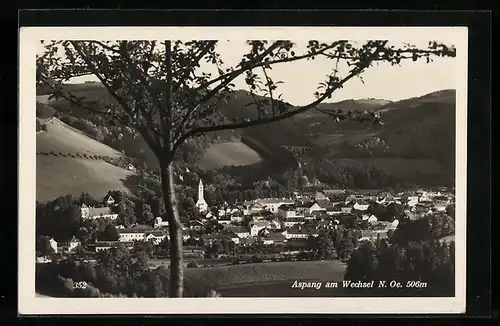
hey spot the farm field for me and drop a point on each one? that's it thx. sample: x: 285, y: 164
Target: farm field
x: 228, y: 154
x: 59, y: 176
x: 267, y: 279
x: 62, y: 138
x: 279, y: 289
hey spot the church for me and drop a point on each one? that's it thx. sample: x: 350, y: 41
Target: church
x: 201, y: 204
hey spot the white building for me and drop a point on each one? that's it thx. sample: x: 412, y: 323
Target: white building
x: 372, y: 219
x: 240, y: 231
x: 288, y: 211
x: 441, y: 202
x: 69, y: 246
x: 201, y: 204
x: 316, y: 208
x: 237, y: 218
x: 346, y: 209
x: 256, y: 227
x: 53, y: 244
x: 299, y: 233
x: 110, y: 201
x: 272, y: 204
x: 131, y: 234
x: 424, y: 197
x: 95, y: 213
x: 106, y: 245
x: 155, y: 237
x: 291, y: 221
x: 234, y: 238
x: 159, y: 223
x: 361, y: 206
x: 224, y: 220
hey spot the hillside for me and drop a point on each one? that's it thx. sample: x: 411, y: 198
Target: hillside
x: 416, y: 130
x: 59, y: 176
x: 418, y: 137
x: 285, y: 132
x: 69, y: 162
x: 408, y: 124
x: 249, y: 150
x: 64, y: 139
x: 423, y: 127
x: 368, y: 104
x: 228, y: 154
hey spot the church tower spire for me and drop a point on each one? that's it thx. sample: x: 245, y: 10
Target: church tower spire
x: 200, y: 191
x: 201, y: 204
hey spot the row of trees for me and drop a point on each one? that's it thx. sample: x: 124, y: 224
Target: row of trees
x: 118, y: 272
x: 429, y: 262
x: 413, y: 253
x: 428, y: 228
x: 334, y: 244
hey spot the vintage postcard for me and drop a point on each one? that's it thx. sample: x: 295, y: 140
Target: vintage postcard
x: 245, y: 170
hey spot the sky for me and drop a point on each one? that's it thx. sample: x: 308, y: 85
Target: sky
x: 382, y: 81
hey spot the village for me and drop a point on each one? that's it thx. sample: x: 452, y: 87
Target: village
x: 283, y: 224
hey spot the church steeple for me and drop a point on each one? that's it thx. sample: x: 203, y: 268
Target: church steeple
x: 201, y: 204
x: 200, y: 191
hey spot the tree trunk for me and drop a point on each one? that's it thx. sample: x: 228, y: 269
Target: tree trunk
x: 175, y: 230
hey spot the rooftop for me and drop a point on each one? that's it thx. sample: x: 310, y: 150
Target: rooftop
x: 232, y: 235
x: 260, y: 223
x: 99, y: 211
x: 235, y: 229
x: 275, y: 236
x: 296, y: 230
x: 156, y: 233
x: 275, y: 201
x: 287, y: 207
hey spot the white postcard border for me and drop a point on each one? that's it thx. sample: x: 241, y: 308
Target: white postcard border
x: 29, y: 304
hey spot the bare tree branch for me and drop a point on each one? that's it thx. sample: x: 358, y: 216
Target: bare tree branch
x: 154, y: 96
x: 365, y: 61
x: 255, y: 122
x: 232, y: 75
x: 96, y: 72
x: 71, y: 100
x: 201, y: 53
x: 104, y: 46
x: 275, y: 45
x: 142, y: 129
x: 227, y: 78
x: 269, y: 87
x: 167, y: 120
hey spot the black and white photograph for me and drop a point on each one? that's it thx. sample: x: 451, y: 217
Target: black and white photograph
x: 262, y: 170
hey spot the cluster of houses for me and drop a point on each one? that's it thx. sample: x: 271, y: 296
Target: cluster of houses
x: 274, y: 220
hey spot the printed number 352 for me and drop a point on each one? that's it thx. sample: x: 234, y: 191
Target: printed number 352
x: 80, y: 285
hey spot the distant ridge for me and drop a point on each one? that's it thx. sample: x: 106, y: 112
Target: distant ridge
x: 416, y: 129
